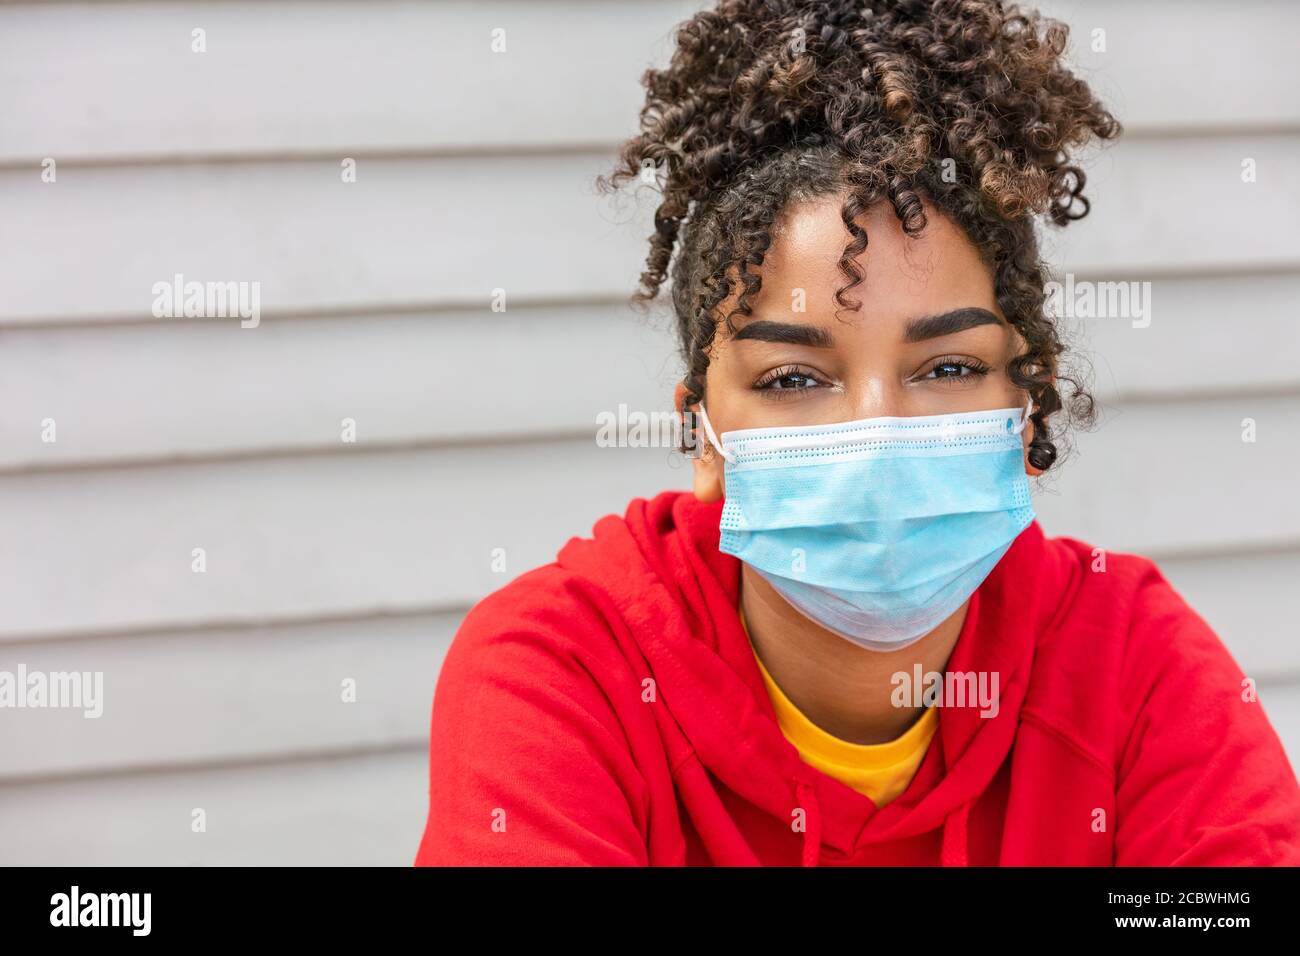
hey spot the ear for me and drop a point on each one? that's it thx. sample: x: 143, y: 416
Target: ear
x: 708, y: 483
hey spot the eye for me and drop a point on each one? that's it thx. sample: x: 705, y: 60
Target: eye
x: 953, y: 368
x: 788, y: 379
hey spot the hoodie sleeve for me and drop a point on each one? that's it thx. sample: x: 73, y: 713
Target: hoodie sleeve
x: 528, y: 763
x: 1202, y: 779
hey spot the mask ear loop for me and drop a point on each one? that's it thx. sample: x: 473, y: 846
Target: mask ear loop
x: 713, y: 439
x: 1024, y: 419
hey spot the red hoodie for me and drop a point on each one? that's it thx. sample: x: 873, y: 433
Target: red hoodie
x: 607, y: 709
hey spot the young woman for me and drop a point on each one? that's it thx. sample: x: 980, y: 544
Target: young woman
x: 851, y: 643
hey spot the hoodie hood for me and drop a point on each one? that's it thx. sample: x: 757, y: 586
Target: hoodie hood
x: 679, y: 603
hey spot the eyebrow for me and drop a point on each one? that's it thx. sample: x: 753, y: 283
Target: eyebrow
x: 785, y: 333
x: 918, y: 330
x: 946, y: 323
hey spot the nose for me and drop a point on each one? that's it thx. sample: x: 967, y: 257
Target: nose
x: 873, y: 396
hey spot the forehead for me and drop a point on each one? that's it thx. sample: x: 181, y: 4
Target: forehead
x: 903, y: 275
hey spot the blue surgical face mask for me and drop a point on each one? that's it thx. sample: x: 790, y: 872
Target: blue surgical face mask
x: 877, y: 529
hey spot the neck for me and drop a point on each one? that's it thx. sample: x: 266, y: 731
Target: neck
x: 840, y: 686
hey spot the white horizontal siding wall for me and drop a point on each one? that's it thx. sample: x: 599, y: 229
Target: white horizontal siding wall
x: 329, y: 561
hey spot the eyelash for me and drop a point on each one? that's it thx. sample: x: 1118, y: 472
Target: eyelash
x: 976, y: 367
x: 765, y: 383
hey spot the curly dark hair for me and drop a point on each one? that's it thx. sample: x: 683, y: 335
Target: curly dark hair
x: 766, y: 102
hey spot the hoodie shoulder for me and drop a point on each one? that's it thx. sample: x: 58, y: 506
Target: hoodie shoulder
x: 578, y: 601
x: 1128, y: 624
x: 530, y: 758
x: 548, y: 607
x: 1200, y: 774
